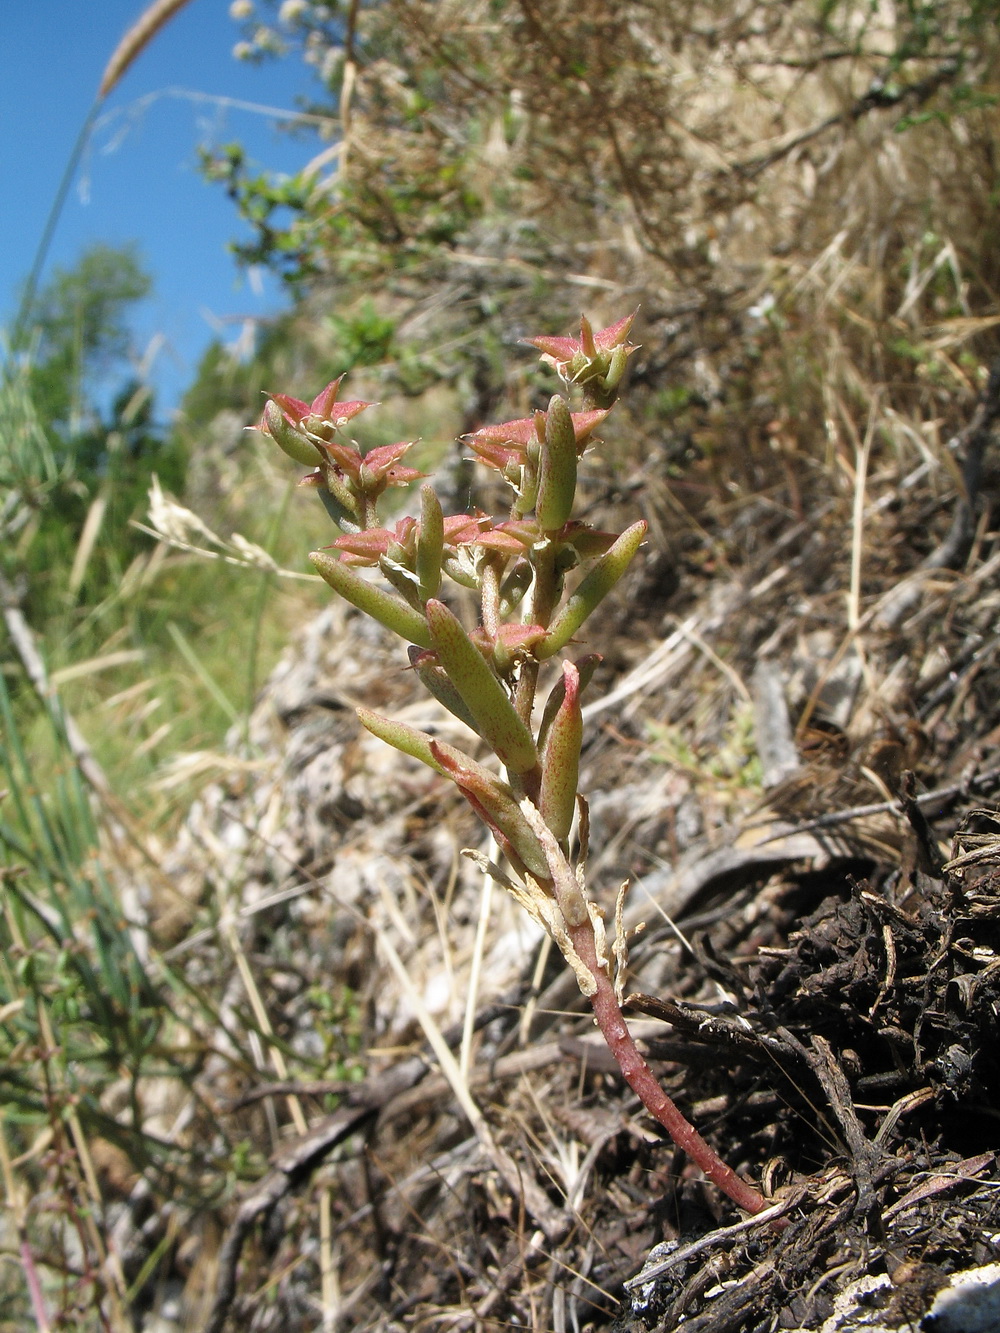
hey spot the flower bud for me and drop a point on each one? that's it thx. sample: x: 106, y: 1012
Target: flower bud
x: 286, y: 437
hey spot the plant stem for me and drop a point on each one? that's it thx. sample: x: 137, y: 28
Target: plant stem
x: 34, y: 1287
x: 640, y: 1079
x: 543, y: 597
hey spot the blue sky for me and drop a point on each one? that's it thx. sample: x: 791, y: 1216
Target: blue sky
x: 139, y: 181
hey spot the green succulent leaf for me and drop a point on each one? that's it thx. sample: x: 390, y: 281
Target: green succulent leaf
x: 434, y: 679
x: 495, y: 803
x: 592, y: 590
x: 403, y: 580
x: 375, y: 602
x: 430, y: 543
x: 557, y: 468
x: 586, y: 666
x: 514, y: 586
x: 287, y: 438
x: 401, y: 737
x: 491, y: 798
x: 486, y: 699
x: 561, y: 758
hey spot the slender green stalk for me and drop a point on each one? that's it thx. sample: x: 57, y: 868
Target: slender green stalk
x: 22, y: 320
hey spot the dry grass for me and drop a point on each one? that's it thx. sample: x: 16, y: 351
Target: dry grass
x: 145, y: 29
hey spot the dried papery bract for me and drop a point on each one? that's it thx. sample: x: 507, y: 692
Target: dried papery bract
x: 539, y: 575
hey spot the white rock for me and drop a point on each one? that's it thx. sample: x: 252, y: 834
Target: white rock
x: 970, y: 1303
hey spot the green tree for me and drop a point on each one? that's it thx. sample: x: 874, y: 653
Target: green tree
x: 98, y: 421
x: 82, y: 333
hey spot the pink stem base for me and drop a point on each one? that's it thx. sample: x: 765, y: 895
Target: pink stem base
x: 640, y: 1079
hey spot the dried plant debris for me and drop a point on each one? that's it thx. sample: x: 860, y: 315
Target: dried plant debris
x: 876, y: 1024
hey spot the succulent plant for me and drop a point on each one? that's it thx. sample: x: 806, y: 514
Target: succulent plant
x: 539, y: 575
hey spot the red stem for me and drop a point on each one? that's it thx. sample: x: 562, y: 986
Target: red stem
x: 34, y: 1287
x: 640, y: 1079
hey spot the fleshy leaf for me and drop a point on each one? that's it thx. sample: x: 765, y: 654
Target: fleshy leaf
x: 380, y: 605
x: 277, y: 427
x: 592, y: 590
x: 435, y: 680
x: 335, y: 498
x: 491, y: 798
x: 495, y: 715
x: 585, y: 667
x: 561, y: 758
x: 557, y: 468
x: 495, y: 803
x: 401, y: 737
x: 430, y: 543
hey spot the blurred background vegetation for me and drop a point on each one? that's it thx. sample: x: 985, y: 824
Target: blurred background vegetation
x: 802, y: 198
